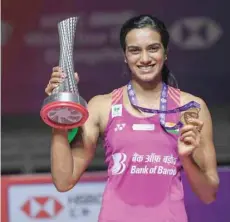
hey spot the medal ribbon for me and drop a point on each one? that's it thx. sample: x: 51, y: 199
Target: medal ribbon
x: 163, y: 106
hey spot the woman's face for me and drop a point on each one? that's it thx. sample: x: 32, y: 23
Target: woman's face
x: 144, y: 54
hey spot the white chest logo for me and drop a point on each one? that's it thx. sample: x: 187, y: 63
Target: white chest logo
x: 143, y: 127
x: 118, y: 163
x: 119, y: 127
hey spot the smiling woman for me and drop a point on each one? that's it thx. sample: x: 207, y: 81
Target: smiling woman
x: 147, y: 47
x: 144, y: 53
x: 146, y: 142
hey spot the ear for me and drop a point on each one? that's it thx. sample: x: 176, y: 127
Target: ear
x: 125, y: 59
x: 166, y: 54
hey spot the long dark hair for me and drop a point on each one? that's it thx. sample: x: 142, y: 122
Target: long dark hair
x: 143, y: 21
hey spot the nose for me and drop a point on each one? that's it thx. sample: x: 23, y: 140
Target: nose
x: 145, y: 58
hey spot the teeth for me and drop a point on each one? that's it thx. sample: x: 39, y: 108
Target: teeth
x: 145, y: 68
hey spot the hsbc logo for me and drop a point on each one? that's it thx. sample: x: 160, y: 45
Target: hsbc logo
x: 194, y: 33
x: 42, y: 207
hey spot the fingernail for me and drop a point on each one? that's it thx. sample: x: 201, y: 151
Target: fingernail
x: 63, y: 75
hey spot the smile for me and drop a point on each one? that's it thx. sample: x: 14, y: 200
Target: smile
x: 147, y: 68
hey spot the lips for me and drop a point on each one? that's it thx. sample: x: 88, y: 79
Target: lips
x: 146, y: 68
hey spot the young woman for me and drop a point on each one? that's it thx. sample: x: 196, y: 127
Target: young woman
x: 145, y: 148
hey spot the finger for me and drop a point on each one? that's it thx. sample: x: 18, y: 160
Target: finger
x: 196, y: 122
x: 56, y: 80
x: 76, y: 77
x: 47, y: 90
x: 188, y: 134
x: 53, y: 86
x: 186, y: 128
x: 189, y: 131
x: 57, y: 69
x: 50, y: 87
x: 189, y: 140
x: 200, y: 127
x: 58, y: 75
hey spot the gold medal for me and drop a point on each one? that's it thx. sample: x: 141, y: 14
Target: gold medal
x: 192, y: 113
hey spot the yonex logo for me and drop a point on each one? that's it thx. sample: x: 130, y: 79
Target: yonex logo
x: 119, y: 127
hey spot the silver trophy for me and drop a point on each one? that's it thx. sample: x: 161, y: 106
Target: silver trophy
x: 65, y: 108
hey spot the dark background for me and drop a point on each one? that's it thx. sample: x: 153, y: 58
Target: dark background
x: 198, y: 57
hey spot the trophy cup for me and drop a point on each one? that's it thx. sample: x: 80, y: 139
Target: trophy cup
x: 65, y: 108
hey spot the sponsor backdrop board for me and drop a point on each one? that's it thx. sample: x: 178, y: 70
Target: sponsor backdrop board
x: 33, y: 198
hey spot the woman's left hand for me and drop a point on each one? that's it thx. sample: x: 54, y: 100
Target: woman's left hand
x: 190, y: 137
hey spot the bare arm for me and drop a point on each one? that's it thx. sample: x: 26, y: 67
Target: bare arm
x: 201, y: 167
x: 69, y: 163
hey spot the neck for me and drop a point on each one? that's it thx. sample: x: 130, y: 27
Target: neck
x: 147, y: 89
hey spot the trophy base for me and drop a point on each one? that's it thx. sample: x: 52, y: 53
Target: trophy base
x: 64, y: 111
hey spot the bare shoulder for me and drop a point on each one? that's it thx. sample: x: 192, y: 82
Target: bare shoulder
x: 99, y: 108
x: 204, y: 114
x: 187, y: 97
x: 99, y: 102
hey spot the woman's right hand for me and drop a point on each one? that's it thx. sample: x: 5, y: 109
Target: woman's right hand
x: 57, y: 77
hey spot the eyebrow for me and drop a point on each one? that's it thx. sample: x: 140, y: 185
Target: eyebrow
x: 150, y: 45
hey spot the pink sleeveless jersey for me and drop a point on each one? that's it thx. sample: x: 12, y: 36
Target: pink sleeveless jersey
x: 144, y: 183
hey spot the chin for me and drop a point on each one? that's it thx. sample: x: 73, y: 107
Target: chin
x: 147, y: 77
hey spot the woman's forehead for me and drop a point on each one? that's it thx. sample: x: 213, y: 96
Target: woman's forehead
x: 142, y: 36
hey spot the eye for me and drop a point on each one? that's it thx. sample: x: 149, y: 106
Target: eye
x: 134, y: 50
x: 154, y: 48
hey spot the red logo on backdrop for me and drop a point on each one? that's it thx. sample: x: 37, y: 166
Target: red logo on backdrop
x: 42, y: 207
